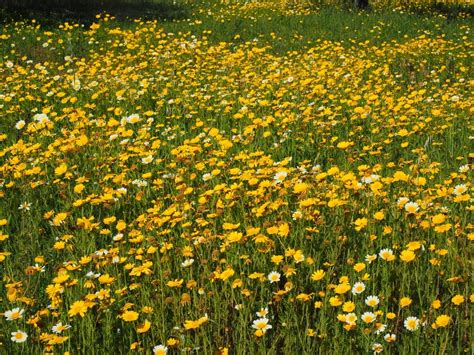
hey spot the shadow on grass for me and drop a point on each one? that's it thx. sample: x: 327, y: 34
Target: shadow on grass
x: 51, y: 12
x: 450, y: 11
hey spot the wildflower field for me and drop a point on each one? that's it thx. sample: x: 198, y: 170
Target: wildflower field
x: 238, y: 177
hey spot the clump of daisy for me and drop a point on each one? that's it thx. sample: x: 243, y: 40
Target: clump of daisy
x: 14, y: 314
x: 41, y: 118
x: 464, y: 168
x: 377, y: 348
x: 187, y: 262
x: 390, y: 337
x: 206, y: 177
x: 19, y: 336
x: 274, y: 276
x: 411, y: 323
x: 25, y: 206
x: 387, y: 254
x: 280, y: 176
x: 160, y: 350
x: 263, y: 312
x: 133, y: 118
x: 368, y: 317
x: 261, y: 325
x: 358, y: 288
x: 20, y: 124
x: 372, y: 301
x: 412, y: 207
x: 147, y: 160
x: 459, y: 189
x: 60, y: 327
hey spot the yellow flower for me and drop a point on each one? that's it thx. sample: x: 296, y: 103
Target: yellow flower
x: 226, y: 274
x: 229, y: 226
x: 360, y: 223
x: 400, y: 176
x: 303, y: 297
x: 256, y: 275
x: 318, y: 275
x: 79, y: 188
x: 438, y: 219
x: 344, y: 145
x: 335, y: 301
x: 172, y: 342
x: 443, y: 228
x: 300, y: 187
x: 342, y: 288
x: 391, y: 315
x: 78, y: 308
x: 318, y: 304
x: 283, y: 230
x: 234, y: 237
x: 442, y: 321
x: 60, y: 170
x: 121, y: 225
x: 348, y: 306
x: 194, y: 324
x: 82, y: 140
x: 407, y: 256
x: 405, y: 302
x: 106, y: 279
x: 144, y: 327
x: 110, y: 220
x: 129, y: 316
x: 175, y: 283
x: 379, y: 215
x: 457, y: 300
x: 415, y: 245
x: 359, y: 267
x: 272, y: 230
x: 436, y: 304
x: 277, y: 259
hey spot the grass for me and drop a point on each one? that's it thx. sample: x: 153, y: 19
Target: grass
x: 54, y: 12
x: 182, y: 181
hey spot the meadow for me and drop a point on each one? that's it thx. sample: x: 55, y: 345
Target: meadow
x: 237, y: 177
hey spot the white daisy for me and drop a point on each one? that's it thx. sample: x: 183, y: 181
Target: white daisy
x: 280, y: 176
x: 160, y: 350
x: 19, y: 336
x: 372, y: 301
x: 187, y: 262
x: 411, y: 323
x: 261, y: 324
x: 20, y: 124
x: 358, y: 288
x: 273, y: 277
x: 459, y: 189
x: 14, y: 314
x: 411, y: 207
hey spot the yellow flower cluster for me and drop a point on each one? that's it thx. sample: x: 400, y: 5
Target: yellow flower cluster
x: 167, y: 193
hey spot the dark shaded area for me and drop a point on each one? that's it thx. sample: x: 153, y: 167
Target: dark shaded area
x: 451, y: 11
x: 361, y: 4
x: 84, y: 11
